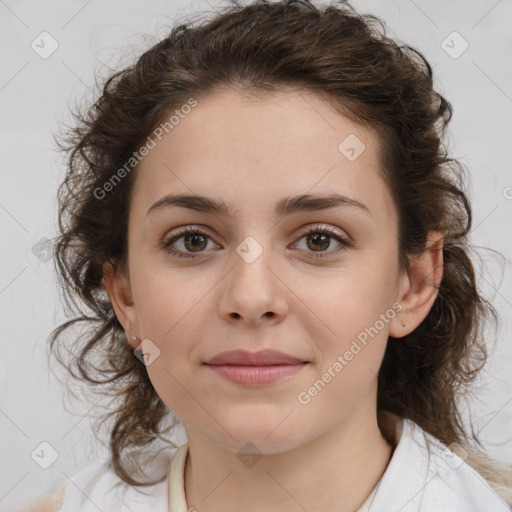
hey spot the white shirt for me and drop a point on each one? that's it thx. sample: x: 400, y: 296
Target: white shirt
x: 422, y: 476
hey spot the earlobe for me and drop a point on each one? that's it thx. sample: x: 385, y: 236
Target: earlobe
x: 118, y: 290
x: 418, y: 289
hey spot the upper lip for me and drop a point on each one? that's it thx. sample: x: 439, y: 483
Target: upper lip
x: 262, y: 358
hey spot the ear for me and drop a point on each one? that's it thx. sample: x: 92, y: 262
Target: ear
x: 418, y: 289
x: 118, y: 288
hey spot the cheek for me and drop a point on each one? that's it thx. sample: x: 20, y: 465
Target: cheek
x: 166, y: 297
x: 167, y: 315
x: 354, y: 309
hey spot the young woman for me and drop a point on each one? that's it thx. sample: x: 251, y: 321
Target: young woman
x: 264, y: 221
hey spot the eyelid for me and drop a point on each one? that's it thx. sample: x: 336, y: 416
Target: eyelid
x: 166, y: 242
x: 344, y: 239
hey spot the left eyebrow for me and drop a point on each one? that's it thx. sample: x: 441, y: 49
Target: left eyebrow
x: 283, y: 207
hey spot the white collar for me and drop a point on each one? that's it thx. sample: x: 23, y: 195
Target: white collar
x: 426, y: 476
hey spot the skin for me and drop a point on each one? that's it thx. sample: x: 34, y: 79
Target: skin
x: 324, y: 455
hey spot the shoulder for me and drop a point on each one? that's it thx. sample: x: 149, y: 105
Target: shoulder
x: 48, y: 503
x: 425, y: 475
x: 456, y: 480
x: 96, y: 486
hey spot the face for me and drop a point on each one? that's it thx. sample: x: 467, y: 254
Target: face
x: 312, y: 283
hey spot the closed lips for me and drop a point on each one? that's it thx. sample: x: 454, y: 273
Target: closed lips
x: 262, y: 358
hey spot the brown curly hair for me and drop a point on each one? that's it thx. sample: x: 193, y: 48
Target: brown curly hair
x: 347, y: 59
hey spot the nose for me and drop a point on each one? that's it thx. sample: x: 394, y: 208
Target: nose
x: 253, y: 291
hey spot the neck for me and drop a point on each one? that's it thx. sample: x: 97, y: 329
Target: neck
x: 348, y: 461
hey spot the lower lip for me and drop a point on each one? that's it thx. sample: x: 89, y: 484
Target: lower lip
x: 257, y: 375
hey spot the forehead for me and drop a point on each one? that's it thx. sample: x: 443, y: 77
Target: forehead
x: 238, y: 148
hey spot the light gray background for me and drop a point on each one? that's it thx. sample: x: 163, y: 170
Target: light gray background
x: 34, y: 97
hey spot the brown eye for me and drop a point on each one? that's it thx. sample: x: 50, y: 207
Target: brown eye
x: 318, y: 240
x: 194, y: 241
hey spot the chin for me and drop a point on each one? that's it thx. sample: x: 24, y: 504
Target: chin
x: 266, y: 437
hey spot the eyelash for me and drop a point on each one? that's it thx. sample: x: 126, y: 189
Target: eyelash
x: 345, y: 242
